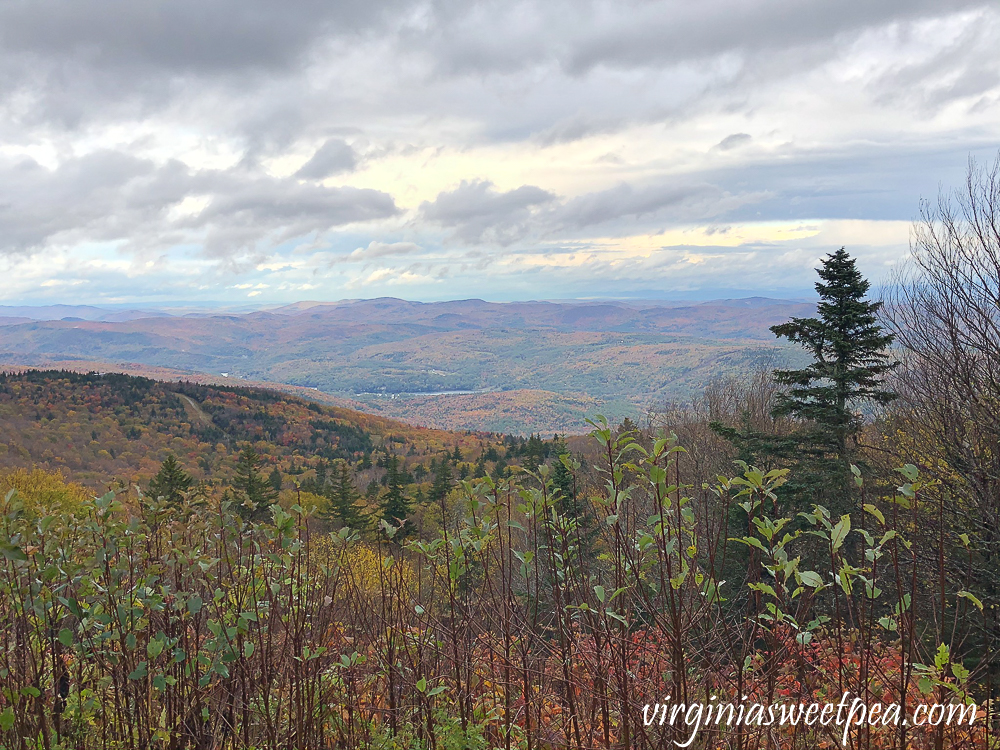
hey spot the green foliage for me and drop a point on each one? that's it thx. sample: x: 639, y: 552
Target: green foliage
x: 171, y: 482
x: 537, y: 606
x: 442, y: 480
x: 274, y: 479
x: 254, y: 494
x: 345, y: 508
x: 493, y: 624
x: 396, y: 505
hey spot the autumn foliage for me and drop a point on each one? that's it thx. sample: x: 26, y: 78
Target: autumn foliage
x: 514, y: 620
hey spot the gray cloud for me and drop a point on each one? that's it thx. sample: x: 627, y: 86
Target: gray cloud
x: 333, y: 157
x: 182, y: 36
x: 577, y: 127
x: 107, y: 196
x: 383, y: 250
x: 98, y: 197
x: 485, y: 36
x: 248, y: 214
x: 478, y: 212
x: 967, y: 68
x: 733, y: 141
x: 678, y: 201
x: 242, y: 64
x: 649, y: 34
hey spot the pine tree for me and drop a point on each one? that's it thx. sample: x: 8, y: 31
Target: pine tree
x: 171, y: 482
x: 562, y: 477
x: 848, y: 347
x: 568, y: 500
x: 534, y: 453
x: 254, y: 494
x: 499, y: 470
x: 321, y: 475
x: 396, y: 506
x: 274, y: 479
x: 344, y: 497
x: 442, y: 481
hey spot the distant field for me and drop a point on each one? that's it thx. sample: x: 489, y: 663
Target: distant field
x: 519, y: 367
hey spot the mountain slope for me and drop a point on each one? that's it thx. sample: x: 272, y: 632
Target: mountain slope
x: 98, y: 427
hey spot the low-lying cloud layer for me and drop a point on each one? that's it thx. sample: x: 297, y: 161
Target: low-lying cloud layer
x: 236, y: 151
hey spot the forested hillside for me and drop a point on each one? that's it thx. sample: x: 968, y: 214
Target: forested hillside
x: 106, y: 428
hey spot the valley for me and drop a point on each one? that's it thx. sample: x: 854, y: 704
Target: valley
x: 466, y: 365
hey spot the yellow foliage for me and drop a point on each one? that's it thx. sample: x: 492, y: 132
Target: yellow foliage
x: 307, y: 500
x: 39, y: 488
x: 365, y: 569
x: 363, y: 564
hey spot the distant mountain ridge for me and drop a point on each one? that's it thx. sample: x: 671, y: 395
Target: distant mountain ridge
x: 391, y: 354
x: 74, y: 312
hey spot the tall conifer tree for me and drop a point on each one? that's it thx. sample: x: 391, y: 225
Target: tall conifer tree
x: 254, y: 493
x: 850, y: 358
x: 344, y: 497
x: 442, y: 481
x: 396, y: 506
x: 171, y: 482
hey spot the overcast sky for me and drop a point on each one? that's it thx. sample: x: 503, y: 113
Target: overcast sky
x: 252, y: 151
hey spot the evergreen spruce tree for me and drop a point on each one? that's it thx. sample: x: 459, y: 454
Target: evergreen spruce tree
x: 442, y: 481
x: 396, y: 506
x: 534, y: 452
x: 570, y: 503
x: 171, y: 482
x: 850, y: 362
x: 274, y: 479
x: 345, y: 509
x: 499, y: 470
x: 848, y: 365
x: 320, y: 475
x: 562, y: 477
x: 254, y: 494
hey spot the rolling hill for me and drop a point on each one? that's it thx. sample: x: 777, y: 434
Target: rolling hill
x: 522, y: 367
x: 98, y: 428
